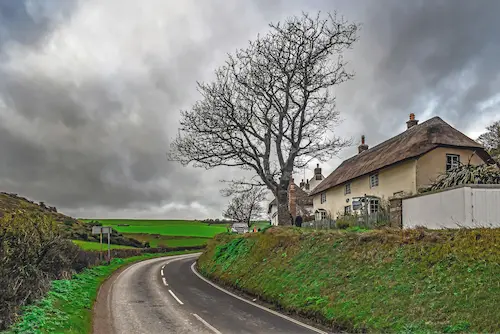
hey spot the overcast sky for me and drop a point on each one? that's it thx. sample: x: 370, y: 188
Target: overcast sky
x: 90, y: 91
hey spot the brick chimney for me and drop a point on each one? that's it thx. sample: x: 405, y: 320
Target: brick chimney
x: 292, y: 199
x: 307, y: 184
x: 317, y: 173
x: 412, y: 121
x: 302, y: 184
x: 363, y: 147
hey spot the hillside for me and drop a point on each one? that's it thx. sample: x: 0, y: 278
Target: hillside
x: 379, y: 281
x: 71, y: 227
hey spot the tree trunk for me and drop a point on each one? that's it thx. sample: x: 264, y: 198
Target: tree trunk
x: 284, y: 216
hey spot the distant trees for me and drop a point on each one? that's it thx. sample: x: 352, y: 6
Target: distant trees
x: 271, y: 107
x: 491, y: 140
x: 245, y: 206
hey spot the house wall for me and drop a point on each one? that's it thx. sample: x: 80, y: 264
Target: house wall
x: 400, y: 177
x: 273, y: 216
x: 313, y: 182
x: 466, y: 206
x: 433, y: 163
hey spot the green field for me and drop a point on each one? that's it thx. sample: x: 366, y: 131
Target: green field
x: 157, y: 240
x: 184, y: 228
x: 90, y: 245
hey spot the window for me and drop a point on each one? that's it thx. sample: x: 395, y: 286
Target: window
x: 373, y: 206
x: 347, y: 210
x: 373, y: 180
x: 347, y: 189
x: 323, y: 198
x: 320, y: 214
x: 452, y: 161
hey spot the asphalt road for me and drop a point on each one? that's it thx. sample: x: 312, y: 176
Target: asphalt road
x: 165, y: 295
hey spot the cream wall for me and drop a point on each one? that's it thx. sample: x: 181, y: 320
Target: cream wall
x: 399, y: 177
x: 433, y: 163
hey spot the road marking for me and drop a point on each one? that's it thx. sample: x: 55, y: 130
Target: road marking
x: 212, y: 328
x: 164, y: 281
x: 255, y: 304
x: 162, y: 266
x: 161, y: 272
x: 173, y: 295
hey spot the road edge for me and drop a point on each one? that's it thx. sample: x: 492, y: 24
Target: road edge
x: 295, y: 321
x: 102, y: 321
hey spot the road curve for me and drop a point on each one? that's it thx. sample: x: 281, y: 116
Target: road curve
x: 164, y: 295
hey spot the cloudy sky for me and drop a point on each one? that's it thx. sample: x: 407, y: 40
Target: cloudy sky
x: 90, y: 91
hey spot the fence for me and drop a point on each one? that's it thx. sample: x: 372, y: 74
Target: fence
x: 463, y: 206
x: 373, y: 220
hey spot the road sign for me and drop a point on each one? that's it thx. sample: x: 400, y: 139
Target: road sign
x: 101, y: 229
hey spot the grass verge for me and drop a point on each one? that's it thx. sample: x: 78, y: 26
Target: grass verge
x: 67, y: 307
x: 95, y: 246
x: 158, y: 240
x: 413, y: 281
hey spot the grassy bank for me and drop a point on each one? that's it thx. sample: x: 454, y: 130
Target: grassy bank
x: 378, y: 281
x: 67, y: 307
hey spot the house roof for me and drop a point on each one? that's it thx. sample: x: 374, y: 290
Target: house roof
x: 413, y: 142
x: 303, y: 198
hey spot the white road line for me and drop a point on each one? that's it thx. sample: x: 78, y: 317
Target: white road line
x: 162, y: 266
x: 257, y: 305
x: 212, y: 328
x: 173, y: 295
x: 164, y: 281
x: 161, y: 272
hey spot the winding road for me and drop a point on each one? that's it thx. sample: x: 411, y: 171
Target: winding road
x: 167, y: 295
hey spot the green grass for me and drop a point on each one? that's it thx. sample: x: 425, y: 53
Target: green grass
x: 164, y: 227
x: 90, y: 245
x: 158, y: 240
x: 377, y: 281
x: 67, y: 308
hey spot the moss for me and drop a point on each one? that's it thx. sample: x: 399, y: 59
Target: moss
x: 376, y: 281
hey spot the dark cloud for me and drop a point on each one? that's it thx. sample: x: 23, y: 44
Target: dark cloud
x: 90, y: 91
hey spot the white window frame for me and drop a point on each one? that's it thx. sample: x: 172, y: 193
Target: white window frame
x: 347, y: 188
x: 373, y: 205
x: 374, y: 182
x: 320, y: 214
x: 323, y: 197
x: 347, y: 210
x: 452, y: 161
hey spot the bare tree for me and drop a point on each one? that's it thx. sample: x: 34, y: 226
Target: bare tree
x: 271, y: 107
x: 246, y: 206
x: 491, y: 140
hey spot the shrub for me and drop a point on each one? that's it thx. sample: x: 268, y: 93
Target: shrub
x: 32, y: 253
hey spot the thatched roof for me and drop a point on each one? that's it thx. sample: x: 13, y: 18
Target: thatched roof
x: 412, y: 143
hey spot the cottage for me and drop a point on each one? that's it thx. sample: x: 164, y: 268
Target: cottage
x: 399, y: 166
x: 299, y: 201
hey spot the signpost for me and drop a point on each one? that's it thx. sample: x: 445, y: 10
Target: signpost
x: 100, y: 230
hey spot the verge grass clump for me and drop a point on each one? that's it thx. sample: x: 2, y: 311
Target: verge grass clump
x: 375, y: 281
x: 67, y: 307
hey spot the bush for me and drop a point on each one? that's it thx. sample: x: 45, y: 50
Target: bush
x: 32, y: 253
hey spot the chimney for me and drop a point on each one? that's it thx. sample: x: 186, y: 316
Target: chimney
x: 363, y: 147
x: 292, y: 199
x: 412, y: 121
x: 302, y: 184
x: 317, y: 173
x: 307, y: 184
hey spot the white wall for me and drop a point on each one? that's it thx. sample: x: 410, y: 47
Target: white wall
x: 466, y: 206
x: 274, y: 212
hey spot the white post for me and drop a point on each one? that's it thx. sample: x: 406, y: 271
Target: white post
x: 109, y: 238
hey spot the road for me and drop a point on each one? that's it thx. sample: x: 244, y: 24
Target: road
x: 165, y: 295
